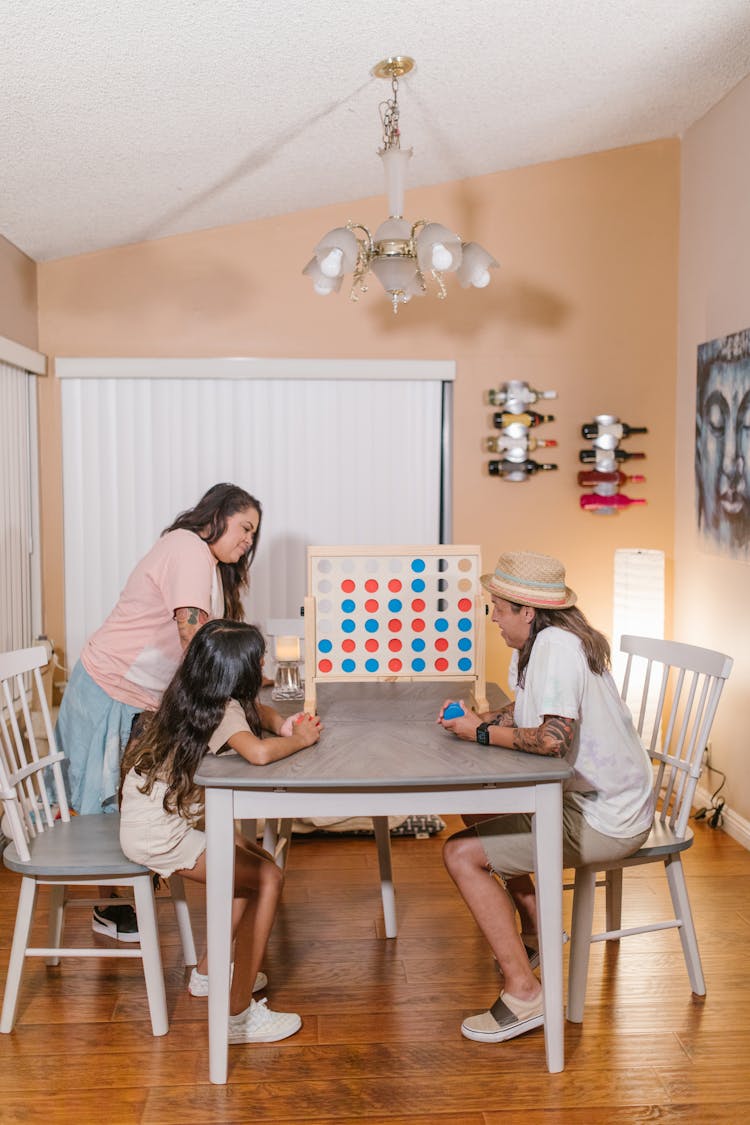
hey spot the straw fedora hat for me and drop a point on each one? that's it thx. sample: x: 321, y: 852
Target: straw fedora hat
x: 529, y: 579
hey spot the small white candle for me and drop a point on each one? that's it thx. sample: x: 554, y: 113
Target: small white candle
x: 287, y: 648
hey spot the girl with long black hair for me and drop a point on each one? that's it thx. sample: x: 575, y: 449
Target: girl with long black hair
x: 211, y: 706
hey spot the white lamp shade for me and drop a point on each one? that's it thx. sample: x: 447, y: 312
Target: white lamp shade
x: 396, y: 275
x: 638, y: 608
x: 393, y: 229
x: 475, y: 266
x: 395, y: 161
x: 336, y: 253
x: 438, y: 248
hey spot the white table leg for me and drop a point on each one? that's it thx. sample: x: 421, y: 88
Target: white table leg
x: 219, y: 889
x: 548, y: 872
x: 387, y: 893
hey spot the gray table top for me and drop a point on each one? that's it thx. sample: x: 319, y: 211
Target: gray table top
x: 384, y: 736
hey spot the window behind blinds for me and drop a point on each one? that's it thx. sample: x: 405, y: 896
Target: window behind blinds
x: 333, y: 461
x: 19, y: 578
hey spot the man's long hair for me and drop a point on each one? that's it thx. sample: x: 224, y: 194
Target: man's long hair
x: 208, y: 519
x: 223, y: 661
x: 595, y: 644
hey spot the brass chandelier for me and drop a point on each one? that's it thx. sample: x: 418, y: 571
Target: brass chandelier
x: 400, y: 254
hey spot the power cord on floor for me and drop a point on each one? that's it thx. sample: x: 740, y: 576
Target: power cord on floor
x: 713, y: 813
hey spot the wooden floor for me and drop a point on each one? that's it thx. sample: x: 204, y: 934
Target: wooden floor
x: 381, y: 1018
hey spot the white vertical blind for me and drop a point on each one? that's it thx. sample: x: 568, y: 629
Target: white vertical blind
x: 18, y: 559
x: 332, y: 461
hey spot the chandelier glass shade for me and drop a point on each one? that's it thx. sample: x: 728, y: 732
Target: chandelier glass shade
x: 400, y: 253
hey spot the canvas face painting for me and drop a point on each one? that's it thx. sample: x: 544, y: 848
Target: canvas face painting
x: 722, y: 444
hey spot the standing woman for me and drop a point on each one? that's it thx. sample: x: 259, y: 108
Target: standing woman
x: 196, y: 571
x: 566, y: 706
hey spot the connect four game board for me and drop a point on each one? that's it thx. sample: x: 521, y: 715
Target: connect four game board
x: 394, y: 613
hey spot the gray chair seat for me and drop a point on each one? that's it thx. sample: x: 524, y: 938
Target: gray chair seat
x: 70, y: 848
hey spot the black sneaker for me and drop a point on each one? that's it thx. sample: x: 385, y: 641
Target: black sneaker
x: 118, y: 922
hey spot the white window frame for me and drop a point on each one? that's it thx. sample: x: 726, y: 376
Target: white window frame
x: 33, y: 364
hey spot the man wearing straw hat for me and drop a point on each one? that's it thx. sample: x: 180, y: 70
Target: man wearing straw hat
x: 567, y: 705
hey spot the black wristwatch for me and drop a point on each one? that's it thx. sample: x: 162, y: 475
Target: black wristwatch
x: 483, y: 734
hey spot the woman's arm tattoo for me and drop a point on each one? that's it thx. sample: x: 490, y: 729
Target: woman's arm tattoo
x: 189, y: 620
x: 553, y: 738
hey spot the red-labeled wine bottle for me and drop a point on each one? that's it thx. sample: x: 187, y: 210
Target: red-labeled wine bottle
x: 590, y: 478
x: 592, y: 502
x: 588, y: 455
x: 527, y: 467
x: 529, y: 418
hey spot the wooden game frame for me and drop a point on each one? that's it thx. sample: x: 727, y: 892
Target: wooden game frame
x: 475, y: 679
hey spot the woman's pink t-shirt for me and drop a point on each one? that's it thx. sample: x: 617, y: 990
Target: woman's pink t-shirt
x: 137, y: 650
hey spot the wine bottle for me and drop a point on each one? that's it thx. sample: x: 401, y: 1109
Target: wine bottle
x: 588, y: 455
x: 527, y: 468
x: 617, y: 430
x: 498, y: 443
x: 517, y: 392
x: 528, y: 418
x: 590, y: 501
x: 590, y: 478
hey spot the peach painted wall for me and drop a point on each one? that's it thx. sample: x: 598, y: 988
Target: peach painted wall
x: 18, y: 298
x: 585, y: 303
x: 711, y: 591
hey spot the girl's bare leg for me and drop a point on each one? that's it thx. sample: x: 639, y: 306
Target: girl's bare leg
x: 257, y: 889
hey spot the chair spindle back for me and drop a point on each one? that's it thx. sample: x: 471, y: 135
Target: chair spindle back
x: 674, y: 727
x: 32, y: 789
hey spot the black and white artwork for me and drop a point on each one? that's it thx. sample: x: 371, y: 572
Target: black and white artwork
x: 722, y: 444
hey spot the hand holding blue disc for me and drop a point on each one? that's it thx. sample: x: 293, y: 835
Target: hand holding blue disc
x: 453, y: 711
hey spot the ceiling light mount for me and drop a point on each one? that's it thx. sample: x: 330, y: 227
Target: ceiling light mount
x: 399, y: 253
x: 394, y: 67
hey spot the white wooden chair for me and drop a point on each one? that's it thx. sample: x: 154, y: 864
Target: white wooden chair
x: 673, y: 691
x: 51, y: 847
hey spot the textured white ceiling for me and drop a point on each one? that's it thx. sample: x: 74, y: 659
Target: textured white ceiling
x: 135, y: 119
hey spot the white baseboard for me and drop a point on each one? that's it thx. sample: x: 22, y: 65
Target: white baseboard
x: 733, y: 824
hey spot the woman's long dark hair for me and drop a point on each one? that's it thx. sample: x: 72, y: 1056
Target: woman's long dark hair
x: 595, y: 644
x: 208, y: 519
x: 223, y: 661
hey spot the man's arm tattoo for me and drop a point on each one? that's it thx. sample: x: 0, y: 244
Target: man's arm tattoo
x: 553, y: 738
x: 504, y: 717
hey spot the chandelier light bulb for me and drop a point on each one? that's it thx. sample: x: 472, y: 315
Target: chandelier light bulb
x: 332, y: 264
x: 442, y: 259
x: 402, y: 254
x: 475, y: 267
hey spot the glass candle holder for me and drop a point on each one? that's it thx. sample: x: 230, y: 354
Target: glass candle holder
x: 288, y: 682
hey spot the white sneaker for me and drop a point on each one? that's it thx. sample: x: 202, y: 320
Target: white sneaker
x: 198, y: 983
x: 258, y: 1024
